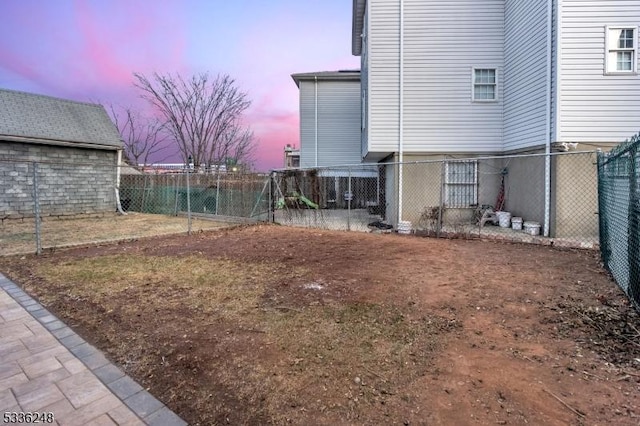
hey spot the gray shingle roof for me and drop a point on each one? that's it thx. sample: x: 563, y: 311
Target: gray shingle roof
x: 43, y: 118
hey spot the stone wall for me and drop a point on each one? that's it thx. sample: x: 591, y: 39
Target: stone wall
x: 71, y: 181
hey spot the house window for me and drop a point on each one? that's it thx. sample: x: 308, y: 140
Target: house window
x: 485, y: 85
x: 461, y: 183
x: 622, y: 47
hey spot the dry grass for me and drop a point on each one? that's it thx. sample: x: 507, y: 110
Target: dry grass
x: 363, y: 351
x: 18, y: 236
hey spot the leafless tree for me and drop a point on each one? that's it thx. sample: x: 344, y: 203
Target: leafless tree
x: 143, y: 138
x: 202, y: 114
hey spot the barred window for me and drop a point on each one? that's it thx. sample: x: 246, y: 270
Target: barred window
x: 461, y: 183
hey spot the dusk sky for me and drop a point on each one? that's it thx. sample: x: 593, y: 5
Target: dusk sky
x: 87, y: 50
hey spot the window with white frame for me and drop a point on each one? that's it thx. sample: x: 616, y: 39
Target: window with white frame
x: 461, y: 183
x: 622, y: 48
x: 485, y: 85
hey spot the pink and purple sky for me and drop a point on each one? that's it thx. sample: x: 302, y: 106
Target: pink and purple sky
x: 87, y: 50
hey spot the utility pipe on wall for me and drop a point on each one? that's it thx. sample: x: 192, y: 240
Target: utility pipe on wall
x: 401, y: 112
x: 547, y: 151
x: 315, y: 97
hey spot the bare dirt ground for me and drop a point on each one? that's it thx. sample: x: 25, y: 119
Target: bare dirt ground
x: 274, y: 325
x: 19, y: 236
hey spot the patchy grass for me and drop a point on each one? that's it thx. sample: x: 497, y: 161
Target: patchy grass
x: 19, y: 236
x: 273, y: 325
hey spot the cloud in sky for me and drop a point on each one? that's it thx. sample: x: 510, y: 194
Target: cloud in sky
x: 87, y: 51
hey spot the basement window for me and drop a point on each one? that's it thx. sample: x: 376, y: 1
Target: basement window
x: 622, y: 49
x: 461, y: 183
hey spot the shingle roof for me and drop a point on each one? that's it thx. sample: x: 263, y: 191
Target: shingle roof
x: 43, y: 119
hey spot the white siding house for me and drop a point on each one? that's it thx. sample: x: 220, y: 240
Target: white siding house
x: 549, y: 70
x: 330, y: 119
x: 493, y: 77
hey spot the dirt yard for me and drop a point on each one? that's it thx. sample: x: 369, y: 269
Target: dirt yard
x: 275, y: 325
x: 19, y: 236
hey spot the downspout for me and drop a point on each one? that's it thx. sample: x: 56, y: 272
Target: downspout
x: 547, y: 157
x: 315, y: 98
x: 118, y: 170
x: 401, y: 112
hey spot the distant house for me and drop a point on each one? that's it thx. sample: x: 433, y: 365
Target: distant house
x: 330, y: 133
x: 74, y: 147
x: 495, y: 77
x: 291, y: 157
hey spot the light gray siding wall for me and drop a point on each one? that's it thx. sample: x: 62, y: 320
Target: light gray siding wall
x: 338, y: 123
x: 525, y: 76
x: 307, y: 124
x: 383, y: 44
x: 364, y: 88
x: 443, y: 41
x: 595, y: 107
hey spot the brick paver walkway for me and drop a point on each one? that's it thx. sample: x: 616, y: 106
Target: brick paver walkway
x: 45, y: 367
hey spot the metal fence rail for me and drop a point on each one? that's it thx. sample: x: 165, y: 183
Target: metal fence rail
x: 502, y: 197
x: 619, y: 199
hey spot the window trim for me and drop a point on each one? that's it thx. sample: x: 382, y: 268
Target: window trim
x: 473, y: 84
x: 474, y: 184
x: 607, y: 50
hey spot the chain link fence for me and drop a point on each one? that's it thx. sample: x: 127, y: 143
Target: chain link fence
x: 548, y: 199
x: 47, y: 205
x: 619, y: 196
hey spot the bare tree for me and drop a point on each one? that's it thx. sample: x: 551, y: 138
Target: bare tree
x: 202, y: 114
x: 143, y: 138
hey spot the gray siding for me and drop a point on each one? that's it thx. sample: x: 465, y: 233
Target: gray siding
x: 71, y: 181
x: 338, y: 123
x: 442, y: 43
x: 364, y: 88
x: 525, y: 82
x: 595, y: 107
x: 383, y: 44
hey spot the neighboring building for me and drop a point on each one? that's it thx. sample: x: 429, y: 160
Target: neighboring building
x: 291, y: 157
x: 493, y: 77
x: 74, y: 146
x: 329, y: 118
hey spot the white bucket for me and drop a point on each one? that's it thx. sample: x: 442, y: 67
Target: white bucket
x: 532, y: 228
x: 516, y: 223
x: 504, y: 219
x: 404, y: 227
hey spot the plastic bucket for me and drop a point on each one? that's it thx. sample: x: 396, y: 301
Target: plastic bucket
x: 504, y: 219
x: 404, y: 227
x: 516, y: 223
x: 532, y: 228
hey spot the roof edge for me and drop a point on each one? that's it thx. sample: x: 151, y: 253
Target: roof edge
x: 55, y: 142
x: 342, y: 75
x: 357, y: 24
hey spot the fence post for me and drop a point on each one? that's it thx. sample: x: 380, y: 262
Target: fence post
x: 442, y: 188
x: 36, y: 208
x: 218, y: 190
x: 633, y: 241
x: 188, y: 201
x: 349, y: 197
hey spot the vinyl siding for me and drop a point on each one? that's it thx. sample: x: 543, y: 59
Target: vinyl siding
x: 525, y: 82
x: 364, y: 88
x: 595, y: 107
x: 443, y: 42
x: 338, y: 123
x: 384, y: 38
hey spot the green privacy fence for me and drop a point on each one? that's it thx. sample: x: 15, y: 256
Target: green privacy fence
x: 238, y: 195
x: 619, y: 209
